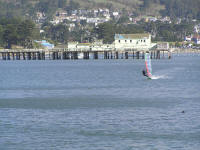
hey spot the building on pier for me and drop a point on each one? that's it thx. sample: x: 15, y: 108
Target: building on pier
x: 125, y: 46
x: 133, y: 41
x: 121, y: 42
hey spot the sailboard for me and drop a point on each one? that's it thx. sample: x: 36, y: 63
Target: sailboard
x: 148, y: 65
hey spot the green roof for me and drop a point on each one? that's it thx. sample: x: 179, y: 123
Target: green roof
x: 84, y: 44
x: 131, y: 36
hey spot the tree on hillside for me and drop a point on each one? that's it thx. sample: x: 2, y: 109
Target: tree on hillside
x: 60, y: 33
x: 10, y: 35
x: 72, y: 6
x: 1, y: 35
x: 106, y: 31
x: 123, y: 19
x: 62, y: 3
x: 25, y: 32
x: 181, y: 8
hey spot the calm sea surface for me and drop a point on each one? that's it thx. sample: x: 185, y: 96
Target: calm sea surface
x: 100, y: 105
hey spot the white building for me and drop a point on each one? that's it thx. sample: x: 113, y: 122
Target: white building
x: 72, y: 46
x: 115, y: 13
x: 83, y: 46
x: 133, y: 41
x: 122, y: 42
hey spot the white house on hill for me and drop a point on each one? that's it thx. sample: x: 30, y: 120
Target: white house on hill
x: 133, y: 41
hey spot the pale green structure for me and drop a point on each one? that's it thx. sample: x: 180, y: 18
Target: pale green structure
x: 122, y: 42
x: 133, y: 41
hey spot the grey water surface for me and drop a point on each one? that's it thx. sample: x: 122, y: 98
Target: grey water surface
x: 100, y: 105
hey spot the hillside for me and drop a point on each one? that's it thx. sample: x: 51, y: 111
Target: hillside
x: 174, y: 8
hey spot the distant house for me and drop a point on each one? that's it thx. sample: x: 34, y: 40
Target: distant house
x: 133, y: 41
x: 40, y: 17
x: 116, y: 15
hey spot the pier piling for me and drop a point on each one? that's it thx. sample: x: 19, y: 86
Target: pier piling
x: 65, y: 54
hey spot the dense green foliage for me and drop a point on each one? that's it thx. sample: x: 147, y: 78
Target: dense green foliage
x: 20, y: 32
x: 168, y: 32
x: 17, y: 31
x: 182, y: 8
x: 160, y: 31
x: 58, y: 33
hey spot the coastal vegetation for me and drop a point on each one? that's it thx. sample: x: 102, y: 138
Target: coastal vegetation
x: 172, y: 8
x: 24, y: 21
x: 16, y: 31
x: 159, y: 31
x: 21, y: 32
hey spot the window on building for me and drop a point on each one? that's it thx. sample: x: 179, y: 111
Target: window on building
x: 125, y: 41
x: 119, y: 41
x: 144, y: 40
x: 130, y: 41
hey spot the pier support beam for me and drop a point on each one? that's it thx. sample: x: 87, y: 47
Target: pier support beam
x: 43, y: 55
x: 17, y: 55
x: 116, y: 55
x: 84, y: 55
x: 13, y: 55
x: 67, y: 55
x: 38, y: 56
x: 8, y: 56
x: 138, y: 55
x: 33, y: 56
x: 126, y: 55
x: 3, y: 56
x: 95, y: 55
x: 169, y: 55
x: 151, y: 55
x: 64, y: 55
x: 105, y: 55
x: 24, y: 56
x: 158, y: 55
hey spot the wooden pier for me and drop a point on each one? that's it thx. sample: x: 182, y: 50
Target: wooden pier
x: 63, y: 54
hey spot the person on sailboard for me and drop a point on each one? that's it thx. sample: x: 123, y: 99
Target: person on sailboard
x: 144, y: 73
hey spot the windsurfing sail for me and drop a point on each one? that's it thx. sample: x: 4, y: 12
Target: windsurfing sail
x: 148, y: 64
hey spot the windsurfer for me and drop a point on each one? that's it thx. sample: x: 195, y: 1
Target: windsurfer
x: 144, y: 73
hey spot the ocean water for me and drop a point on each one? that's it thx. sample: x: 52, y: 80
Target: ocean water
x: 100, y: 105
